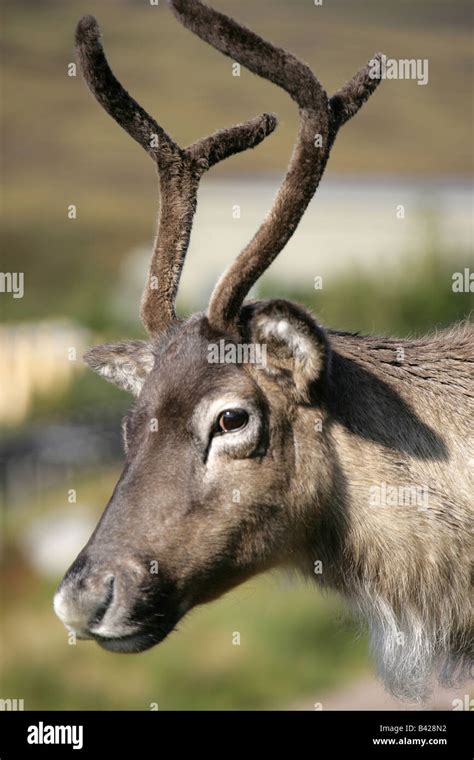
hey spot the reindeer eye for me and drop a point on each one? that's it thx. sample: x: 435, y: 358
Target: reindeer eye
x: 231, y: 419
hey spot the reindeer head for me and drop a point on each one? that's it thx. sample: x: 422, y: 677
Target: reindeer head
x: 213, y: 489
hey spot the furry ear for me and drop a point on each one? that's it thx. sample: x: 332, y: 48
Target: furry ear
x: 126, y: 364
x: 297, y: 349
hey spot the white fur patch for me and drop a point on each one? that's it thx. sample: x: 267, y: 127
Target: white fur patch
x: 305, y: 353
x: 408, y: 649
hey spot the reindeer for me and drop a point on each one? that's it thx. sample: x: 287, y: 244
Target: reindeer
x: 312, y: 442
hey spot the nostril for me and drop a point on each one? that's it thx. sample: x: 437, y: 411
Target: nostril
x: 105, y: 604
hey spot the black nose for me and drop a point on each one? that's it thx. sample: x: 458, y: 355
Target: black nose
x: 103, y: 606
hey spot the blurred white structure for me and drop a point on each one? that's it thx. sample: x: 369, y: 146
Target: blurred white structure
x: 52, y: 540
x: 38, y: 359
x: 375, y: 225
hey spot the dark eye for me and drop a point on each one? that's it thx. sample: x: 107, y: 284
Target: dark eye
x: 231, y: 419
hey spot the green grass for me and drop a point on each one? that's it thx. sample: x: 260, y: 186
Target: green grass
x: 416, y: 299
x: 294, y: 647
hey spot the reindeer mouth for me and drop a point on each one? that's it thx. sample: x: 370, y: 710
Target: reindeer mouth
x: 147, y: 633
x: 135, y: 642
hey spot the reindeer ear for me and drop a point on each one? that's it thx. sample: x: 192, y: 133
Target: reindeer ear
x: 297, y: 349
x: 126, y: 364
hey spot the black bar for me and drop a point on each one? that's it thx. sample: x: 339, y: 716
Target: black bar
x: 316, y: 734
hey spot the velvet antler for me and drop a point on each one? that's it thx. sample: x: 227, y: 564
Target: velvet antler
x: 179, y: 170
x: 320, y: 119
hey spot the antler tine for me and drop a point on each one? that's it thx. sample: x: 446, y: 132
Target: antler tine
x: 319, y: 115
x: 179, y: 169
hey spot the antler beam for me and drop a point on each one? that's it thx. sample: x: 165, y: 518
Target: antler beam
x: 319, y: 116
x: 180, y: 170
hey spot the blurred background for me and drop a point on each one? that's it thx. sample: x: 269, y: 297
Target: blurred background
x: 389, y: 226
